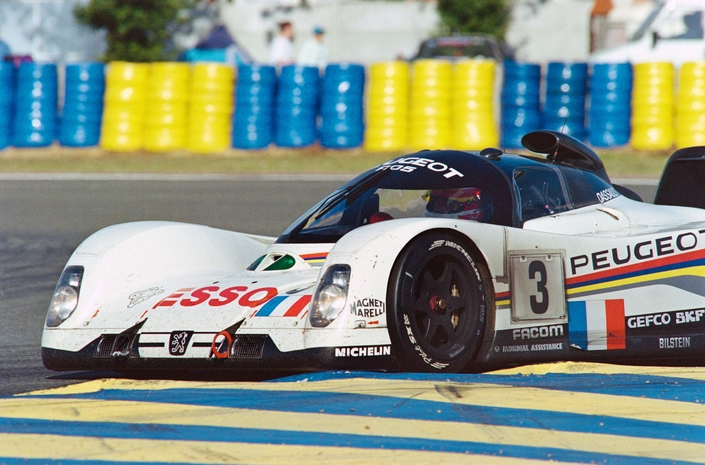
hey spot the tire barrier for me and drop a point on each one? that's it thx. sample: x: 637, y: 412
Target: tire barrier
x: 295, y: 106
x: 35, y: 105
x: 610, y: 95
x: 7, y: 91
x: 341, y: 106
x: 652, y: 106
x: 125, y: 100
x: 254, y: 103
x: 430, y: 113
x: 564, y: 106
x: 165, y: 115
x: 690, y: 106
x: 82, y: 113
x: 388, y: 107
x: 211, y: 92
x: 473, y: 121
x: 521, y: 103
x: 170, y: 106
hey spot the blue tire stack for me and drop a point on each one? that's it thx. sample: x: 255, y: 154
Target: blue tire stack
x: 254, y: 101
x: 7, y: 83
x: 341, y: 106
x: 82, y: 114
x: 521, y: 102
x: 564, y: 108
x: 295, y: 109
x: 610, y: 104
x: 36, y: 99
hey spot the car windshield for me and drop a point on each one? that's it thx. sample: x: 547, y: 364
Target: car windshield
x: 409, y: 187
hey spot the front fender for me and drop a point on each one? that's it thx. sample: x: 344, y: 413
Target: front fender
x: 372, y: 250
x: 121, y: 259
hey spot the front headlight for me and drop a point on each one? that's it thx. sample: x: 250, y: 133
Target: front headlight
x: 331, y: 294
x: 65, y: 299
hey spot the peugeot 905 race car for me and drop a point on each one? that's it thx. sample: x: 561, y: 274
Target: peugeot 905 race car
x: 435, y: 261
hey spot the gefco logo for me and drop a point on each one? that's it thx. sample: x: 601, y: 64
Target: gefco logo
x: 645, y: 250
x: 665, y: 319
x: 410, y: 164
x: 214, y: 296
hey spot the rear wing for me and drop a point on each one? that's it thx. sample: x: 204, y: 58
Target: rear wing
x: 683, y: 179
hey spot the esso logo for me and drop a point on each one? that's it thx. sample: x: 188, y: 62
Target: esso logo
x: 214, y: 296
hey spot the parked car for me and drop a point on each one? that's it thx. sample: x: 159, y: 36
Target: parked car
x: 464, y: 46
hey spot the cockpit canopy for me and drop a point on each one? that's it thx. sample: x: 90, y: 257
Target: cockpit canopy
x: 496, y: 188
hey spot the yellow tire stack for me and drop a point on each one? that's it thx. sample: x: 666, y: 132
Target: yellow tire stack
x: 430, y: 113
x: 690, y: 109
x: 165, y: 117
x: 125, y: 101
x: 652, y: 106
x: 473, y: 122
x: 211, y: 107
x: 387, y: 109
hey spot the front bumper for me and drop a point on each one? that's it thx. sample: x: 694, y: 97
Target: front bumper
x: 263, y: 355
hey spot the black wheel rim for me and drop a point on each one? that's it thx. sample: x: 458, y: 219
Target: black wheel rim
x: 443, y: 314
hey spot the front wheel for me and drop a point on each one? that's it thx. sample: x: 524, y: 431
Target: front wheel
x: 437, y: 305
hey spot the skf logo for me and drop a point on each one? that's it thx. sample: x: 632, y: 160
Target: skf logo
x: 178, y: 342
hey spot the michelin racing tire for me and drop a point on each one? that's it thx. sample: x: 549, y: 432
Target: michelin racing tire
x: 437, y: 308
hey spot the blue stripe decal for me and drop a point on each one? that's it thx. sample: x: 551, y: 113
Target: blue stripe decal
x: 258, y: 436
x: 577, y: 323
x: 391, y: 407
x: 271, y: 305
x: 647, y: 271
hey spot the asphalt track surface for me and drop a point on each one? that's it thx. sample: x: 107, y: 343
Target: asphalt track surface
x: 564, y: 413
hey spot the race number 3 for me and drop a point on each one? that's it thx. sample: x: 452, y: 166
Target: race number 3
x: 539, y: 305
x: 537, y: 286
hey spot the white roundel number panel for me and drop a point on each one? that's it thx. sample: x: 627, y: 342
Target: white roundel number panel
x: 537, y: 286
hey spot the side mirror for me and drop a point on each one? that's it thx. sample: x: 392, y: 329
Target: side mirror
x: 654, y: 39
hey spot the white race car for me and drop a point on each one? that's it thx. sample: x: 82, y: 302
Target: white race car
x: 435, y: 261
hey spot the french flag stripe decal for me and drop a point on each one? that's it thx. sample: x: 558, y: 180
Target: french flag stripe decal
x: 577, y: 323
x: 597, y: 324
x: 616, y: 331
x: 272, y: 304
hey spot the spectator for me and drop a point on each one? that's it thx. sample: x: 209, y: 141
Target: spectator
x: 4, y: 49
x: 314, y: 51
x: 281, y: 52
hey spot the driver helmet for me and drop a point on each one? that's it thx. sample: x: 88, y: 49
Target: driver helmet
x: 464, y: 203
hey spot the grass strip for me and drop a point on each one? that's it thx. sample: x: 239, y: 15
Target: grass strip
x: 622, y: 162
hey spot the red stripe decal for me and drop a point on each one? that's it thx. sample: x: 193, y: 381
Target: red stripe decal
x: 637, y: 267
x: 314, y: 256
x: 298, y: 306
x: 616, y: 332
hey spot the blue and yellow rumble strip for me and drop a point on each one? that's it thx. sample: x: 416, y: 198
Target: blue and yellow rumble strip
x: 557, y: 413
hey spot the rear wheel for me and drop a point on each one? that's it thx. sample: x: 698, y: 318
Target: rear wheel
x: 437, y: 305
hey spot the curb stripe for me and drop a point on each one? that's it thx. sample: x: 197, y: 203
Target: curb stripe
x: 390, y: 407
x: 56, y: 447
x: 135, y: 420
